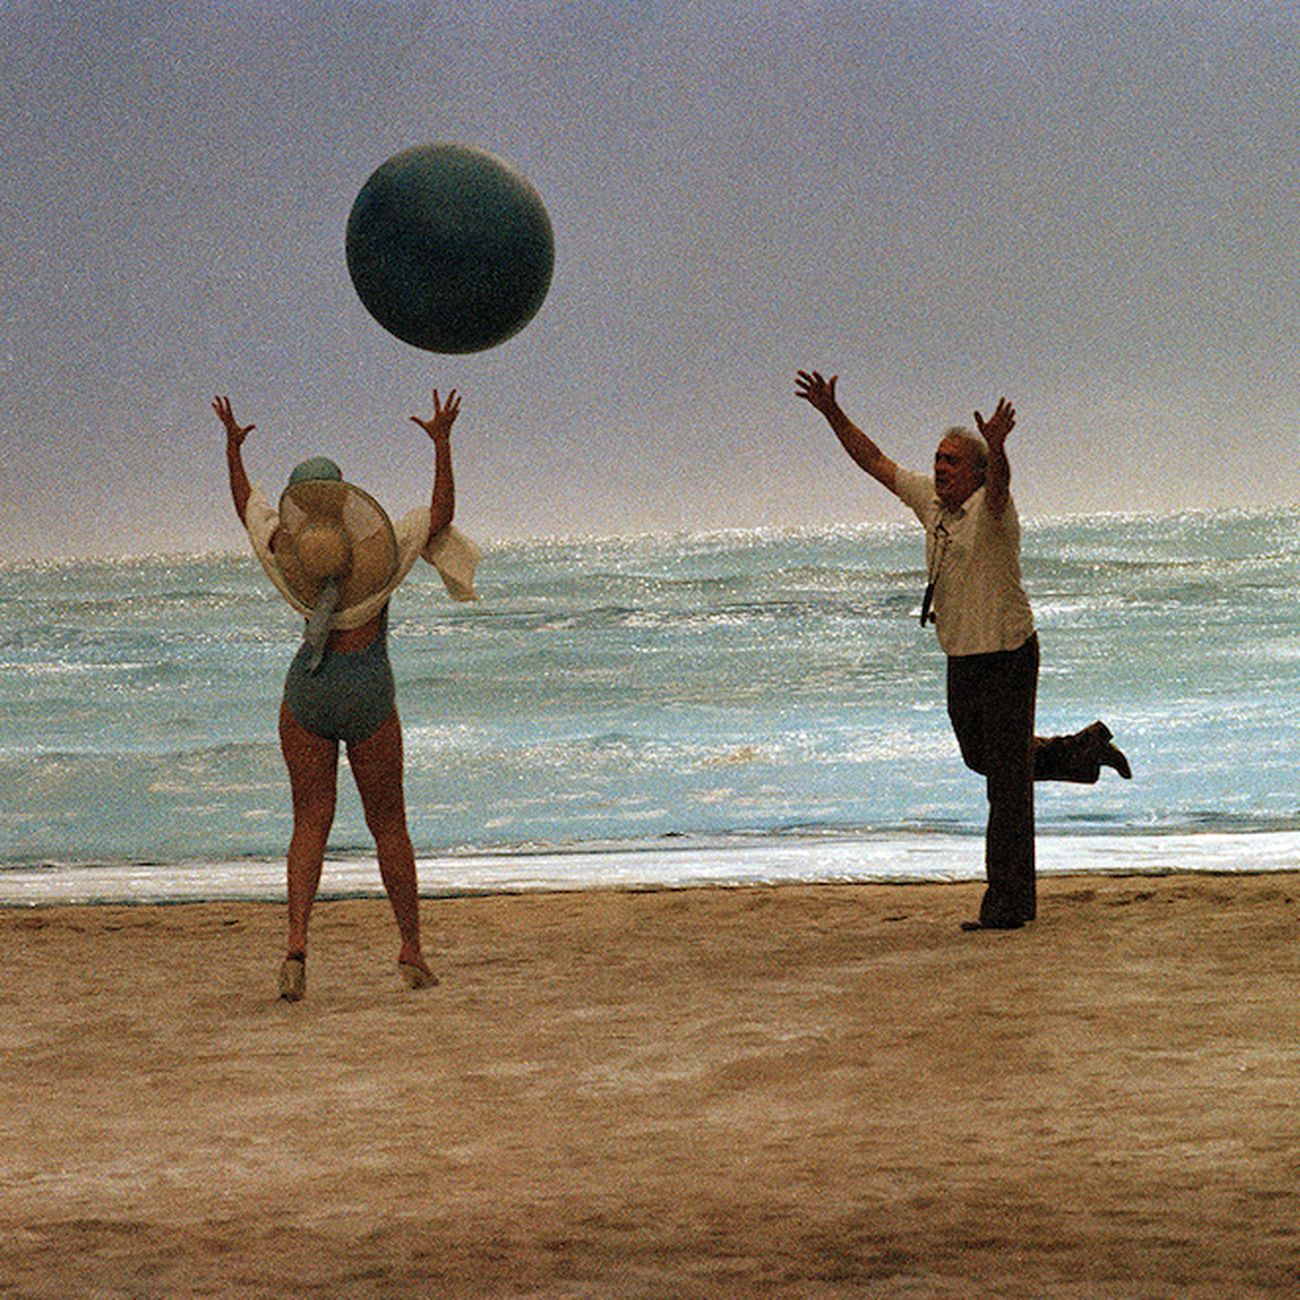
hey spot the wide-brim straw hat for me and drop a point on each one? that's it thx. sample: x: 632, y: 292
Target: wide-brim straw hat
x: 332, y: 530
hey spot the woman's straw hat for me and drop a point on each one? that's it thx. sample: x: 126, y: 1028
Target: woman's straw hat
x: 332, y: 532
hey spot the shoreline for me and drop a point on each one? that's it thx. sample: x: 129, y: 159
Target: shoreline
x: 882, y: 858
x: 451, y: 895
x: 798, y: 1090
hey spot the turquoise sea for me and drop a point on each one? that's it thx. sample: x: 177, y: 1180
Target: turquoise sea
x: 658, y: 710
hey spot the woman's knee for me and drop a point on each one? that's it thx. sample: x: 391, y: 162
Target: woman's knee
x: 310, y: 837
x: 314, y: 796
x: 386, y: 818
x: 383, y: 801
x: 313, y: 809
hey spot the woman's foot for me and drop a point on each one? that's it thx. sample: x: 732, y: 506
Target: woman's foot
x: 414, y: 969
x: 293, y: 977
x: 417, y: 977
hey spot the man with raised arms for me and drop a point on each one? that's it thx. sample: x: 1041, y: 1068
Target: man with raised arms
x: 977, y: 602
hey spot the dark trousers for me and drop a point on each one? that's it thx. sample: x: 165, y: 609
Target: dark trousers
x: 991, y: 702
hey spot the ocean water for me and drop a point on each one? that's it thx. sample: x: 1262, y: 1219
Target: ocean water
x: 729, y: 707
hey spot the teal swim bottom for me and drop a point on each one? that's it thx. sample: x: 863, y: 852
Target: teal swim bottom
x: 348, y: 698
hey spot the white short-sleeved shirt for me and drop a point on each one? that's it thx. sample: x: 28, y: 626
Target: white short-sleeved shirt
x: 451, y: 553
x: 973, y: 558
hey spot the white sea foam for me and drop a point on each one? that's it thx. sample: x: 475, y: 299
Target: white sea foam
x: 893, y: 859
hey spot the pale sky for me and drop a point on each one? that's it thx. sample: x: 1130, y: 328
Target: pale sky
x: 1088, y: 207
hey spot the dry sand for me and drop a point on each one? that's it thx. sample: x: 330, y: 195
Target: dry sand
x: 796, y: 1091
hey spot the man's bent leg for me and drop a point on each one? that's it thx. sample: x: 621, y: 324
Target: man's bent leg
x: 1078, y: 757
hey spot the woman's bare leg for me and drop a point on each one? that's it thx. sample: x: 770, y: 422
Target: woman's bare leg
x: 313, y: 782
x: 377, y: 769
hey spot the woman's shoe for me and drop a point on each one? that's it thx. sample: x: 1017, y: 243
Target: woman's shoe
x: 293, y: 977
x: 416, y: 977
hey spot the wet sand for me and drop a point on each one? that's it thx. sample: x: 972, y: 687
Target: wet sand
x: 794, y: 1091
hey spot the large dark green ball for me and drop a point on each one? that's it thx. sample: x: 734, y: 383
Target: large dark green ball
x: 450, y: 248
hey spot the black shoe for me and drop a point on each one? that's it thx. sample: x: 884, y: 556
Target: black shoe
x: 1098, y: 734
x: 991, y: 925
x: 1111, y: 756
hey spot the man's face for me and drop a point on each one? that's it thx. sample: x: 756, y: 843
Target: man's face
x: 956, y: 474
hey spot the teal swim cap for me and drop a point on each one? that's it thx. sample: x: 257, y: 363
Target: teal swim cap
x: 318, y: 467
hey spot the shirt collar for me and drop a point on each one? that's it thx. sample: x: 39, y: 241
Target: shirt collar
x: 961, y: 511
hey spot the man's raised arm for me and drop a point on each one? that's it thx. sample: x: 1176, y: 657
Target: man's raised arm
x: 997, y: 479
x: 819, y: 393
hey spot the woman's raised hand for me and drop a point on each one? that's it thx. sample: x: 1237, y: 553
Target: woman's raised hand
x: 235, y: 433
x: 444, y: 415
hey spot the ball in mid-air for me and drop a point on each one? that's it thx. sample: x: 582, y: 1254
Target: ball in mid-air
x: 450, y: 248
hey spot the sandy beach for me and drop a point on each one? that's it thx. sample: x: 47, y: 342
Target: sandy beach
x: 794, y: 1091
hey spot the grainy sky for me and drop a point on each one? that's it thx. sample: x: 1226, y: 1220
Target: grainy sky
x: 1090, y: 207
